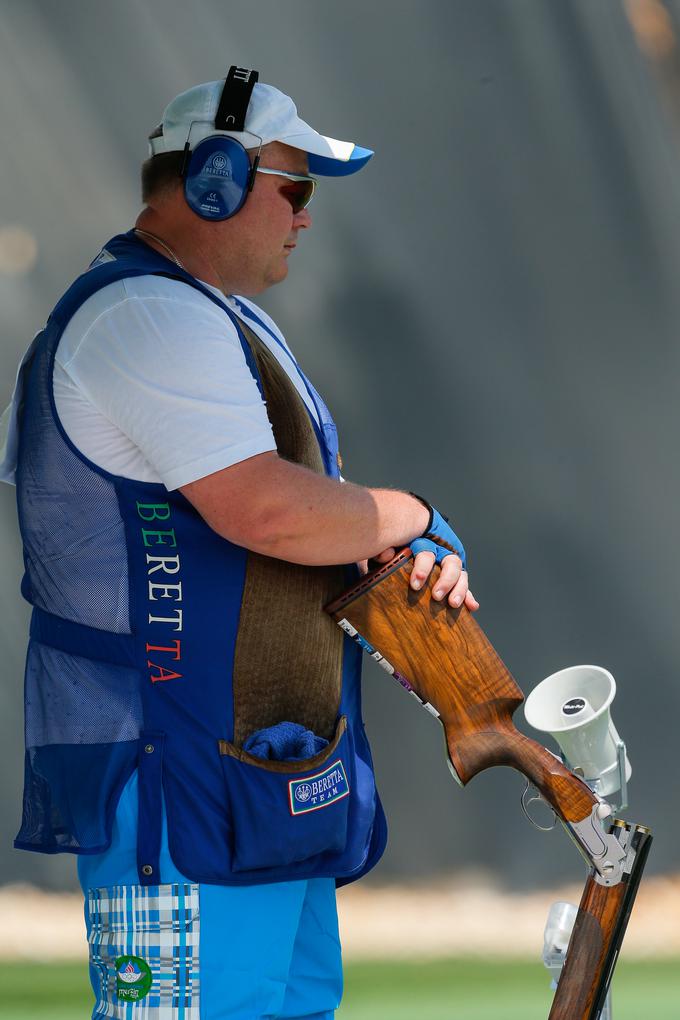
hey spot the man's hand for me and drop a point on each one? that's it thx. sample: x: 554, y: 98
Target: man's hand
x: 452, y: 581
x: 440, y: 544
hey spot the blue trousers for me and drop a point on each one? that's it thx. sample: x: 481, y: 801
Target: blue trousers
x: 193, y: 951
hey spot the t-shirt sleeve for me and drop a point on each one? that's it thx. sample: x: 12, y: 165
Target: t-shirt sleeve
x: 170, y: 373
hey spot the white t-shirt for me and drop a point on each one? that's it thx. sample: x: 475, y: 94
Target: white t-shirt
x: 150, y: 382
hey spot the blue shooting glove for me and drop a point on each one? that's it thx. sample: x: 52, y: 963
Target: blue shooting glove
x: 438, y: 530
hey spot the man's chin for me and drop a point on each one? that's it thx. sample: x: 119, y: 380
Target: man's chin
x: 277, y: 275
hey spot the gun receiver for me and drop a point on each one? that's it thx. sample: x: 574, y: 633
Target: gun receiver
x: 442, y: 657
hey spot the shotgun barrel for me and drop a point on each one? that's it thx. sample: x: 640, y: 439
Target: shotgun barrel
x: 597, y: 935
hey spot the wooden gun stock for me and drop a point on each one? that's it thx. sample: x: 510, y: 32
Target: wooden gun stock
x: 443, y: 657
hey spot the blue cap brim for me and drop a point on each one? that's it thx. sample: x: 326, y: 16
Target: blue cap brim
x: 325, y: 166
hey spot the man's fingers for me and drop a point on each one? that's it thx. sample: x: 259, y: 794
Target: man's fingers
x: 449, y: 578
x: 452, y: 583
x: 386, y: 555
x: 459, y: 590
x: 422, y: 568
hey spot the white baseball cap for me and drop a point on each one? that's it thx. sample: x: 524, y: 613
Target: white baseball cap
x: 271, y: 117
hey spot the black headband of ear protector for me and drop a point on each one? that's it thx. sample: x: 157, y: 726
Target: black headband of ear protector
x: 233, y: 105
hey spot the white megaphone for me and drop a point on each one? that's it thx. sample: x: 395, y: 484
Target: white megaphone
x: 573, y: 706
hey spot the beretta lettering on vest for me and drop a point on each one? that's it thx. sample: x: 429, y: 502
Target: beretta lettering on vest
x: 318, y: 791
x: 158, y: 567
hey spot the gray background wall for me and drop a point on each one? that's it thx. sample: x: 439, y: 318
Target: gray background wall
x: 490, y: 308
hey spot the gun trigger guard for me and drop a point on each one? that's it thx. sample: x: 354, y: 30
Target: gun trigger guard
x: 526, y: 801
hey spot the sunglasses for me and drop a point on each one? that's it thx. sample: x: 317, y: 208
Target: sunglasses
x: 301, y: 190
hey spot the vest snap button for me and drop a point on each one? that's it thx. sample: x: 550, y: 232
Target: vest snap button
x: 149, y: 748
x: 147, y: 869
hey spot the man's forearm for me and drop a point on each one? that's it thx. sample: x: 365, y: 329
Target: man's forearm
x: 293, y: 514
x: 342, y: 523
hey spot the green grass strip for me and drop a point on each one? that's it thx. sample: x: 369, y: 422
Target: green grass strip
x: 497, y: 990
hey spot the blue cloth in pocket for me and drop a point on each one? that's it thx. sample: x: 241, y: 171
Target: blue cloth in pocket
x: 287, y: 741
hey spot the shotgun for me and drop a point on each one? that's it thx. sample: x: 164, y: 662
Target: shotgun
x: 444, y: 659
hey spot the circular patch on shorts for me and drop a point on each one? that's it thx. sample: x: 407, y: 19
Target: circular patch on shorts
x: 133, y: 978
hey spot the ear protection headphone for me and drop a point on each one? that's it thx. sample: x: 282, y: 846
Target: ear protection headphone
x: 218, y: 174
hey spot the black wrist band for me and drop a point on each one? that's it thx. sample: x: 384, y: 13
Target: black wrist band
x: 428, y: 506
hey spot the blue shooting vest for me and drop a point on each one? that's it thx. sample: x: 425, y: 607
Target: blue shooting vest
x: 130, y: 665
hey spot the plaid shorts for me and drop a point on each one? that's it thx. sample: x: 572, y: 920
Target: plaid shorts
x: 202, y: 952
x: 144, y: 951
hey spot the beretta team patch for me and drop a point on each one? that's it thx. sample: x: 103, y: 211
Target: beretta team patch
x: 318, y: 791
x: 133, y: 978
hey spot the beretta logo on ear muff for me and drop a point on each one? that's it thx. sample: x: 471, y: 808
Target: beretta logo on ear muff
x: 217, y: 178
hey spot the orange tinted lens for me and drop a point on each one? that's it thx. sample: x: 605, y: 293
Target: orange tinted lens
x: 298, y: 193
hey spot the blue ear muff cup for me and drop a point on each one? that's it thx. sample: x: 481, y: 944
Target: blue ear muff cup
x: 217, y: 178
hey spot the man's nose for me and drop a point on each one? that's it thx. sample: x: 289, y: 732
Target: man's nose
x: 302, y: 220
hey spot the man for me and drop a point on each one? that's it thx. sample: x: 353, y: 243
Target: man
x: 193, y: 717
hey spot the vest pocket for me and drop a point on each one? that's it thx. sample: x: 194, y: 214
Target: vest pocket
x: 287, y: 811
